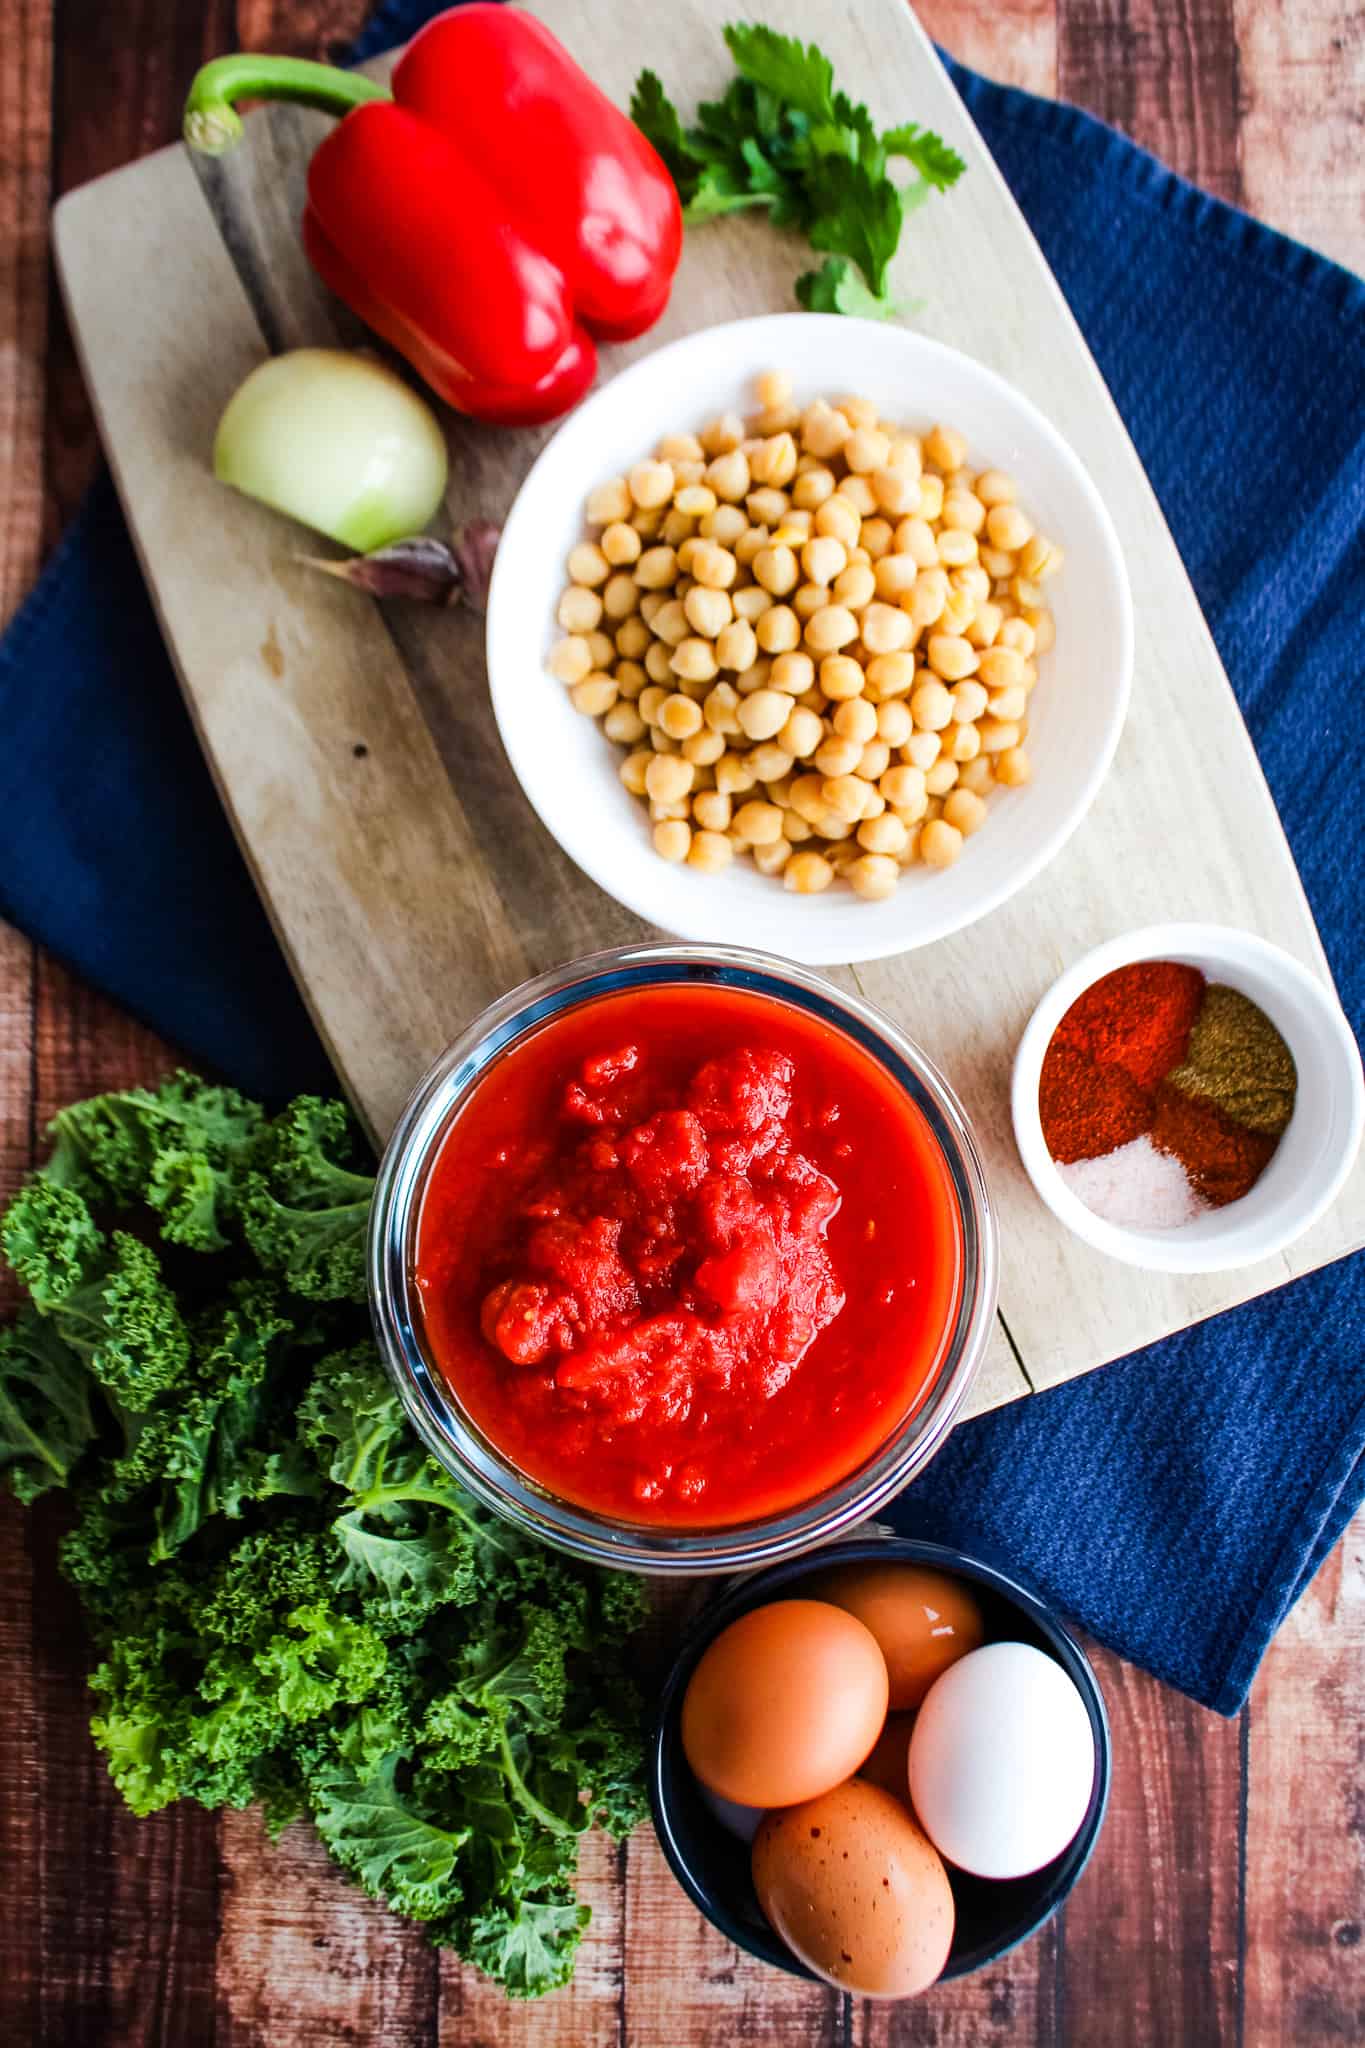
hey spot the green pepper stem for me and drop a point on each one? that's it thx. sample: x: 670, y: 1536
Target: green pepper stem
x: 212, y: 123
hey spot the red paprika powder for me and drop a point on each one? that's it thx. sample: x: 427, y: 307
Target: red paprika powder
x: 1088, y: 1110
x: 1224, y: 1160
x: 1139, y: 1018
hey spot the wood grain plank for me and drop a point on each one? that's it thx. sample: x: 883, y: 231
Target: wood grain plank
x: 322, y: 29
x: 304, y: 1957
x: 1152, y: 1929
x: 1302, y: 72
x: 1305, y: 1902
x: 1016, y: 2000
x: 1015, y: 43
x: 685, y: 1984
x: 1167, y: 73
x: 26, y: 128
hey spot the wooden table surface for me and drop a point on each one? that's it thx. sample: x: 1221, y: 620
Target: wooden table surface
x: 1226, y: 1900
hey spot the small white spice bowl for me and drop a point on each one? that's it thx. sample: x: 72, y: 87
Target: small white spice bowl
x: 1311, y: 1160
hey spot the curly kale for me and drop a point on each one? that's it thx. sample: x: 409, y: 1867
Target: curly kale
x: 291, y: 1602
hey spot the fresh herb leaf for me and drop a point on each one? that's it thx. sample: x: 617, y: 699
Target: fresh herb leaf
x: 796, y: 74
x: 782, y: 136
x: 836, y: 287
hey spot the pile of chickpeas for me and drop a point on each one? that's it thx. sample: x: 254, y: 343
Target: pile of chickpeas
x: 816, y: 636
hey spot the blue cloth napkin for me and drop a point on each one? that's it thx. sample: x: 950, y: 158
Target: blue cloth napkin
x: 1177, y: 1503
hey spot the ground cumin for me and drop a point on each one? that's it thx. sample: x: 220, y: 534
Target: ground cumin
x: 1238, y: 1059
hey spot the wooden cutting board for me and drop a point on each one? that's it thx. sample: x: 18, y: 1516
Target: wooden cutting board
x: 354, y: 747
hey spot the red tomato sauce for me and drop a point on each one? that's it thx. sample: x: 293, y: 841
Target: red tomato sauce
x: 688, y: 1256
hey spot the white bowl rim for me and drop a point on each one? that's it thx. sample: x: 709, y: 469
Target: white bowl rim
x: 1164, y: 1251
x: 632, y: 888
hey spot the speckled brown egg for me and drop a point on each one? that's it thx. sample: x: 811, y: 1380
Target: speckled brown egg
x: 923, y: 1620
x: 856, y: 1890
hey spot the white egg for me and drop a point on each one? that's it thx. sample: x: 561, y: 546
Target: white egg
x: 735, y: 1819
x: 1002, y: 1761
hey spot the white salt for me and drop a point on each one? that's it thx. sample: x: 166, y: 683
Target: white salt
x: 1135, y: 1186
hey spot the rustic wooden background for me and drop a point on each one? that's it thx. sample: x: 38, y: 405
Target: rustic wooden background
x: 1226, y: 1902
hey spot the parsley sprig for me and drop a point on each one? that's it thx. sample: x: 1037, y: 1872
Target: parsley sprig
x: 785, y: 138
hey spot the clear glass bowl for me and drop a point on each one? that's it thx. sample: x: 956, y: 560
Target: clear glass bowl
x: 464, y: 1449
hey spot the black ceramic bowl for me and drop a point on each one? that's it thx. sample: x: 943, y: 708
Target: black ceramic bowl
x: 712, y: 1866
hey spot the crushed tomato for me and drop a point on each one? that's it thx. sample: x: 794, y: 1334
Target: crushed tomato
x: 688, y: 1255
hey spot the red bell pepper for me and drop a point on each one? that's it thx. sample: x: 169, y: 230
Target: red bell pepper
x: 489, y: 218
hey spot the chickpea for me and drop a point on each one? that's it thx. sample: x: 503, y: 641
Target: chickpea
x: 896, y: 491
x: 839, y: 520
x: 778, y: 629
x: 694, y: 659
x: 650, y: 702
x: 963, y: 743
x: 1011, y: 704
x: 724, y: 525
x: 931, y: 707
x: 806, y: 797
x: 620, y: 596
x: 873, y: 876
x: 856, y: 719
x: 823, y: 558
x: 676, y: 529
x: 808, y: 599
x: 770, y: 762
x: 958, y: 614
x: 1043, y: 624
x: 775, y: 567
x: 763, y: 715
x: 964, y: 811
x: 632, y: 637
x: 673, y: 839
x: 657, y: 568
x: 620, y: 544
x: 996, y: 563
x: 632, y: 771
x: 922, y: 749
x: 610, y: 503
x: 1017, y: 634
x: 751, y: 602
x: 624, y: 724
x: 874, y: 760
x: 712, y: 811
x: 766, y: 507
x: 811, y: 487
x: 723, y: 434
x: 984, y: 630
x: 969, y: 701
x: 651, y: 485
x: 857, y: 492
x: 704, y: 748
x: 832, y: 627
x: 708, y: 612
x: 658, y: 656
x: 894, y: 722
x: 670, y: 622
x: 885, y: 833
x: 680, y: 717
x: 836, y: 757
x: 711, y: 565
x: 963, y: 512
x: 734, y: 776
x: 875, y: 538
x: 903, y: 786
x: 807, y: 874
x: 930, y: 497
x: 771, y: 860
x: 895, y: 574
x: 792, y: 673
x: 1042, y: 559
x: 993, y: 487
x: 855, y: 586
x: 942, y: 776
x: 579, y: 609
x: 709, y: 851
x: 945, y: 449
x: 728, y: 475
x: 695, y: 501
x: 595, y: 695
x: 720, y: 709
x: 736, y: 645
x: 998, y: 735
x: 955, y: 548
x: 1007, y: 527
x: 773, y: 388
x: 1013, y: 768
x: 885, y: 629
x: 915, y: 537
x: 890, y: 675
x: 823, y: 430
x: 801, y: 734
x: 668, y: 778
x: 569, y: 660
x: 950, y: 656
x: 758, y: 823
x: 845, y: 795
x: 926, y: 600
x: 978, y: 775
x: 775, y: 460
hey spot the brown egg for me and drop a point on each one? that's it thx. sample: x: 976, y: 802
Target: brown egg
x: 856, y: 1890
x: 889, y: 1763
x: 785, y: 1703
x: 923, y: 1621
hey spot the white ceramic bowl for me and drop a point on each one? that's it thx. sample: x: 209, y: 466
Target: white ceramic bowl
x: 1313, y: 1157
x: 568, y: 768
